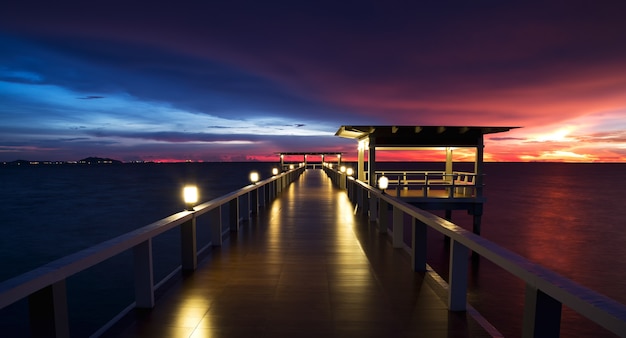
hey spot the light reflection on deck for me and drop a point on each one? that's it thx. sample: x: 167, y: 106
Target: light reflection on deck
x: 307, y: 267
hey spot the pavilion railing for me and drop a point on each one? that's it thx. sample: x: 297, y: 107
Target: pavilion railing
x: 545, y: 293
x: 457, y: 184
x: 45, y: 287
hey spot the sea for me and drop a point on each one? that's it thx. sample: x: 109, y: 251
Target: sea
x: 568, y: 217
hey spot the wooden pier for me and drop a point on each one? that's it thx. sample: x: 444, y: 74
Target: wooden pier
x: 306, y: 266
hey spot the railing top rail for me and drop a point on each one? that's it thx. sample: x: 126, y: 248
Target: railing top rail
x: 437, y: 172
x: 595, y: 306
x: 216, y: 202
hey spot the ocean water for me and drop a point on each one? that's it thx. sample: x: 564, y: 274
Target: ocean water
x: 566, y: 217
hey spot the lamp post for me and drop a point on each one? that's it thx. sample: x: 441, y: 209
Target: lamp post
x: 254, y: 177
x: 253, y: 196
x: 190, y: 196
x: 383, y: 183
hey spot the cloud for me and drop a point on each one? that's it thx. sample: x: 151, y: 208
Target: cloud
x: 221, y: 73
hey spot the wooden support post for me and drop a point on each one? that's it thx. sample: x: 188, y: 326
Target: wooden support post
x: 398, y: 225
x: 419, y: 246
x: 457, y: 291
x: 188, y: 246
x: 48, y: 311
x: 383, y: 216
x: 373, y: 209
x: 144, y: 277
x: 253, y: 201
x: 244, y: 207
x: 215, y: 219
x: 233, y: 211
x: 476, y: 224
x: 364, y: 201
x: 542, y: 314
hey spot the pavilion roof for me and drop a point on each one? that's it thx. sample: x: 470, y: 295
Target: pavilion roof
x: 420, y: 136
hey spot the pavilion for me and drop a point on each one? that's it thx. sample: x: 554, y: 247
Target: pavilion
x: 305, y: 156
x: 431, y: 190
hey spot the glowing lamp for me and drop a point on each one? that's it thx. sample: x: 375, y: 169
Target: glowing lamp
x: 254, y: 177
x: 383, y: 183
x: 291, y: 167
x: 342, y: 169
x: 349, y: 171
x: 190, y: 196
x: 274, y: 171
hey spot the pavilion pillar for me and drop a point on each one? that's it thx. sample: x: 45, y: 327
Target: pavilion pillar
x: 361, y: 158
x: 449, y: 165
x: 371, y: 161
x: 478, y: 167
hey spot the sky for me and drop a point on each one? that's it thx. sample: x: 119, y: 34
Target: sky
x: 241, y: 80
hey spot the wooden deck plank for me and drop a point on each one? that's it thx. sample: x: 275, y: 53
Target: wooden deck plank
x: 306, y: 267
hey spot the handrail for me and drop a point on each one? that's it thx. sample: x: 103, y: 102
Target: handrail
x: 46, y: 284
x: 546, y: 291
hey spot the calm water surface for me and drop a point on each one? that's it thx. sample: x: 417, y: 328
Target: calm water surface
x: 566, y: 217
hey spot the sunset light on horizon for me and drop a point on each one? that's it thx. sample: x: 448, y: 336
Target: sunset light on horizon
x: 243, y: 80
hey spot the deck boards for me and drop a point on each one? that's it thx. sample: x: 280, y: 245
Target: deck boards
x: 306, y: 267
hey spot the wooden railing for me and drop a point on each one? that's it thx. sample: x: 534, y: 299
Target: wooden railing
x: 458, y: 184
x: 546, y: 291
x: 45, y: 287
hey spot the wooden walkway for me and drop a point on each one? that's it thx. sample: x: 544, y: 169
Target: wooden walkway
x: 306, y: 267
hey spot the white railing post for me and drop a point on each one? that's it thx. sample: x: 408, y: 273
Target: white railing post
x: 342, y: 181
x: 398, y: 225
x: 266, y: 196
x: 406, y: 182
x: 144, y: 277
x: 363, y: 200
x: 244, y: 207
x: 398, y: 187
x: 48, y: 311
x: 188, y: 246
x: 253, y: 201
x: 233, y: 211
x: 542, y: 314
x: 418, y: 244
x: 457, y: 292
x: 215, y: 219
x: 383, y: 216
x: 373, y: 209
